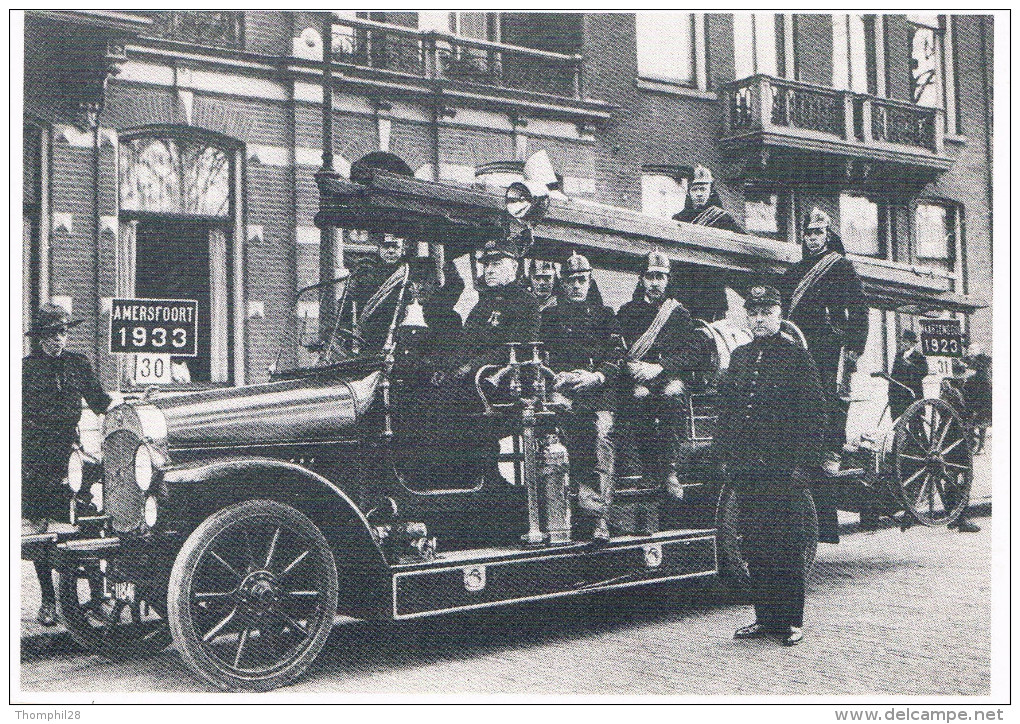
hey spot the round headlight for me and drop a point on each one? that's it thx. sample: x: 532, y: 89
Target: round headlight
x: 96, y: 493
x: 151, y: 511
x: 143, y: 467
x: 74, y: 470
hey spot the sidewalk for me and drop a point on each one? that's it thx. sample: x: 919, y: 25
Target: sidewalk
x: 34, y: 636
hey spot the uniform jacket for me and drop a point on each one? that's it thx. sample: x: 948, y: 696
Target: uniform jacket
x: 438, y: 301
x: 53, y: 388
x: 711, y: 214
x: 832, y: 313
x: 581, y: 335
x: 502, y: 314
x: 771, y: 410
x: 678, y: 347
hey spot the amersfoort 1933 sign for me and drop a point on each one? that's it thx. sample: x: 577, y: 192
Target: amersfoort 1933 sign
x: 154, y: 326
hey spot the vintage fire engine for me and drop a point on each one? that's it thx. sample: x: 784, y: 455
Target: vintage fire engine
x: 237, y: 523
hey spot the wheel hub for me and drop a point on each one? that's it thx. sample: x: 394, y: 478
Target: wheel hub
x: 259, y: 592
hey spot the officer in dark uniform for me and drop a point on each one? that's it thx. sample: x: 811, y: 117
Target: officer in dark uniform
x: 661, y: 343
x: 368, y: 277
x: 53, y: 384
x: 506, y: 311
x: 770, y: 433
x: 825, y: 298
x: 585, y: 351
x: 704, y: 289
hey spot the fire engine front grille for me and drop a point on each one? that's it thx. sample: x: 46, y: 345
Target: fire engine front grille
x: 123, y: 501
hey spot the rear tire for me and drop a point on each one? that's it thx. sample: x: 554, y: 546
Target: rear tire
x: 252, y: 596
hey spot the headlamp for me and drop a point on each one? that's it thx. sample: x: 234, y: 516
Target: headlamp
x: 143, y: 467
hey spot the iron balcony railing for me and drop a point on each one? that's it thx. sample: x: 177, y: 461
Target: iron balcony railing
x: 765, y: 103
x: 431, y: 54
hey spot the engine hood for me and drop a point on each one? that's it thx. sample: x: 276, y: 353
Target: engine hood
x: 299, y: 410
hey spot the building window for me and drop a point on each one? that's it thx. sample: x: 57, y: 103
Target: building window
x: 222, y: 29
x: 854, y: 46
x: 176, y: 242
x: 754, y: 46
x: 665, y: 47
x: 662, y: 194
x: 767, y: 212
x: 859, y: 225
x: 479, y: 26
x: 935, y: 235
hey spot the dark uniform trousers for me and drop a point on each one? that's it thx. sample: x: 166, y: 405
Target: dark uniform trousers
x: 771, y: 520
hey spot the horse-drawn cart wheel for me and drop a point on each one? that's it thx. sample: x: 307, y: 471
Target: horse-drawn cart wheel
x: 932, y: 462
x: 732, y: 562
x: 117, y: 626
x: 252, y: 596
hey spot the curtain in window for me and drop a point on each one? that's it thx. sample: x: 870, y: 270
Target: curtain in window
x: 126, y: 256
x: 665, y: 46
x: 754, y: 46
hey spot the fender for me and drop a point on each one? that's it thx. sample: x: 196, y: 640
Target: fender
x: 197, y: 490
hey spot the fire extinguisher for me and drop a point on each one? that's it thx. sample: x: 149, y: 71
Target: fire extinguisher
x: 555, y: 476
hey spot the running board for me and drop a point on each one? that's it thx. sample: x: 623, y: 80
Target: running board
x: 492, y: 577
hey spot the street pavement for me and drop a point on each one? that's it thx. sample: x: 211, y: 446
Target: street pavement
x: 888, y: 612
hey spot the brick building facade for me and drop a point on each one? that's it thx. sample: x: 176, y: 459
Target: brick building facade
x: 172, y: 154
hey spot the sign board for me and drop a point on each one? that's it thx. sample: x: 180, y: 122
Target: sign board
x: 154, y: 326
x: 941, y: 337
x: 152, y: 369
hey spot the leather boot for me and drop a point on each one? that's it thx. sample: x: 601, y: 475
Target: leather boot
x: 677, y: 453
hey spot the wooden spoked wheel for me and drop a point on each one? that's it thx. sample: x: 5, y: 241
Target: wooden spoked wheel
x: 932, y: 462
x: 252, y: 596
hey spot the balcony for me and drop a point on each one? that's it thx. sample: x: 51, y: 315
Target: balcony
x: 484, y: 71
x: 796, y: 129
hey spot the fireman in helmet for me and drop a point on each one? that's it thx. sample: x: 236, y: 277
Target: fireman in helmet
x: 704, y: 290
x: 584, y: 349
x: 661, y: 344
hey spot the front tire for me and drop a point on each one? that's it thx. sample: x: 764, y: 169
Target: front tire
x: 252, y: 596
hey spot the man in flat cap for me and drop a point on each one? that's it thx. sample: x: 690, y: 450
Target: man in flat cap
x: 53, y: 384
x: 770, y: 434
x: 661, y: 344
x: 825, y: 298
x: 585, y: 350
x: 909, y: 369
x: 704, y: 290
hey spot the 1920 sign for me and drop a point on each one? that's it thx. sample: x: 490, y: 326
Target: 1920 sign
x: 941, y: 337
x: 154, y: 326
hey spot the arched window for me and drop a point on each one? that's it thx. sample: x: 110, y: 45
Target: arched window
x: 178, y: 226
